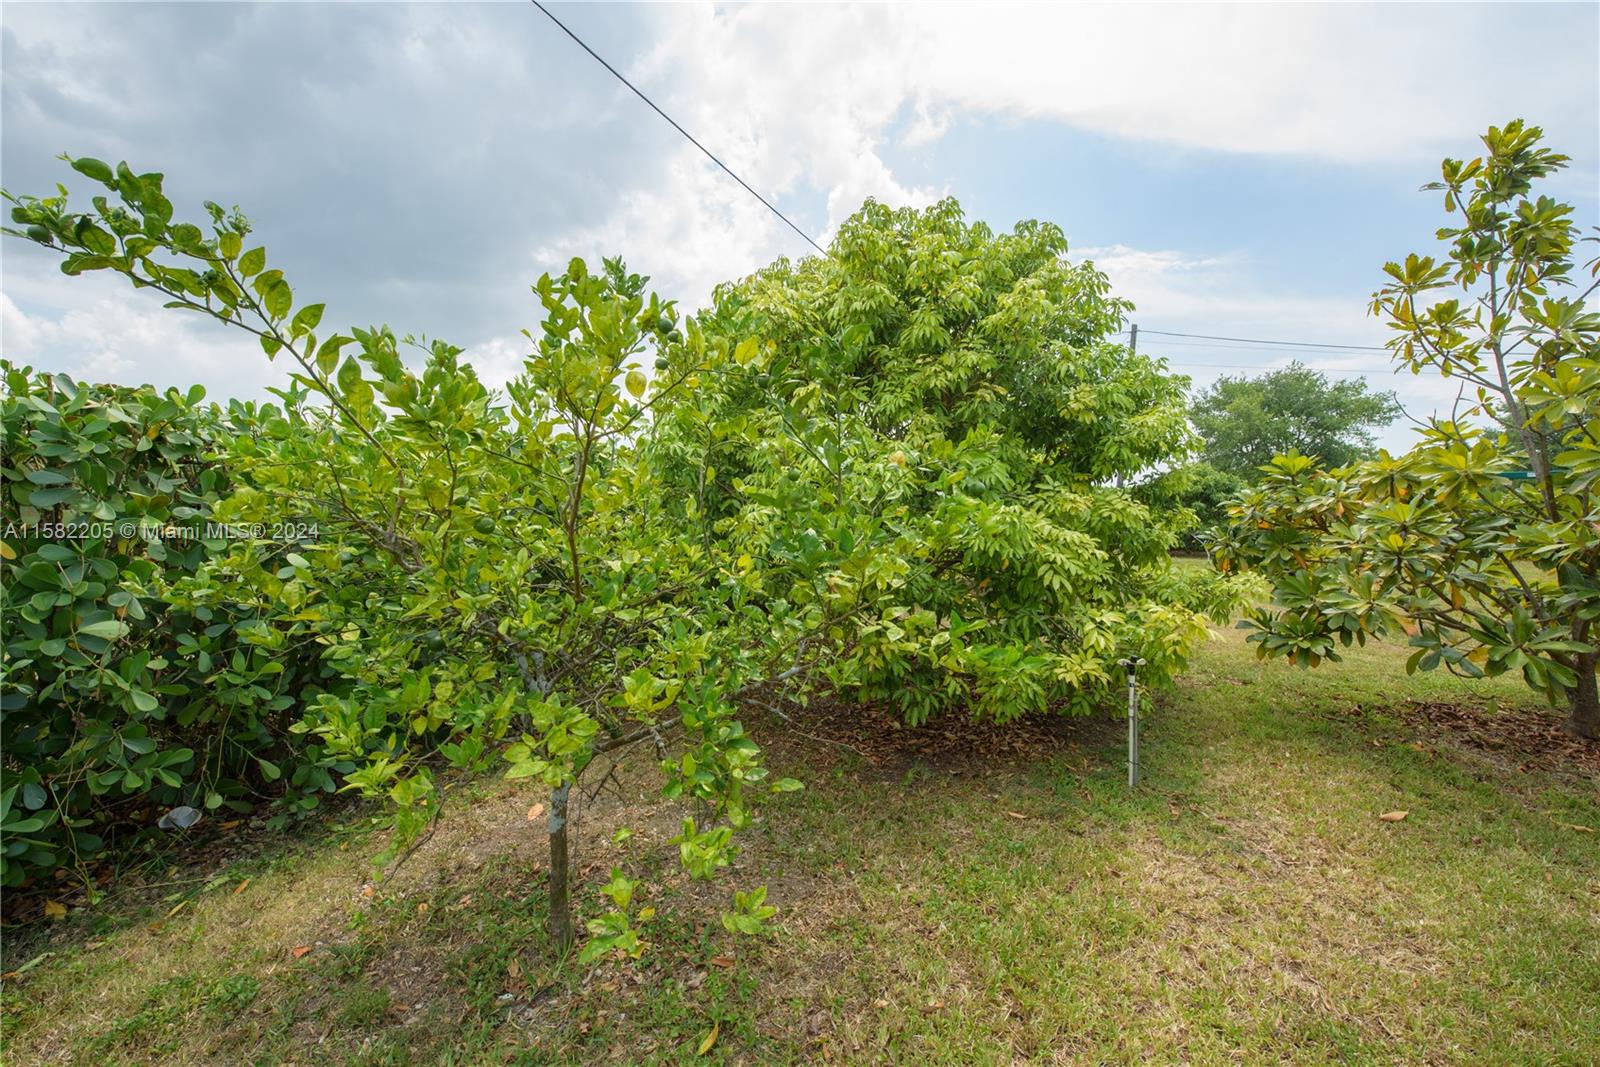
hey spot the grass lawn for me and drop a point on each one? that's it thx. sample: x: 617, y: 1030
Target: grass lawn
x: 1246, y: 904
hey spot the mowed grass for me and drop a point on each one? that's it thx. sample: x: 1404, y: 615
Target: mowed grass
x: 1246, y: 904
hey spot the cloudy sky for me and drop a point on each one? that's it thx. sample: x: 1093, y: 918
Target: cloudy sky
x: 1242, y: 171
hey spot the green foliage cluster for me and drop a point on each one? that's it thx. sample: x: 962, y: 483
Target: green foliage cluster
x: 1243, y: 422
x: 939, y: 418
x: 890, y: 472
x: 123, y: 686
x: 1482, y: 543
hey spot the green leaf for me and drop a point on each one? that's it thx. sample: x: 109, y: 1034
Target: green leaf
x: 48, y: 478
x: 49, y: 498
x: 306, y: 319
x: 350, y: 376
x: 278, y: 299
x: 108, y: 629
x: 228, y: 245
x: 97, y: 169
x: 328, y: 353
x: 593, y: 950
x: 253, y: 262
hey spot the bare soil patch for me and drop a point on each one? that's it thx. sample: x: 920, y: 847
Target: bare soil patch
x: 1519, y: 739
x: 831, y: 729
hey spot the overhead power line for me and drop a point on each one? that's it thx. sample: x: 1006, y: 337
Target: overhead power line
x: 1186, y: 365
x: 674, y: 124
x: 1221, y: 346
x: 1258, y: 341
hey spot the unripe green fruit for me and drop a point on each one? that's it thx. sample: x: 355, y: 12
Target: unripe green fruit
x: 484, y: 524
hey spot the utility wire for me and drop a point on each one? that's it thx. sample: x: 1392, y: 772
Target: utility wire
x: 1297, y: 356
x: 673, y: 123
x: 1181, y: 364
x: 821, y: 251
x: 1219, y: 346
x: 1258, y: 341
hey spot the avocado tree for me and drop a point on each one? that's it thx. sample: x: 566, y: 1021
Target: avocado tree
x: 490, y: 578
x: 1482, y: 542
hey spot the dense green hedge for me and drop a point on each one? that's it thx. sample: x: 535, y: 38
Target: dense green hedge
x: 127, y: 690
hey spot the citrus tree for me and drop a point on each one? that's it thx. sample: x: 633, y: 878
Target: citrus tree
x: 491, y: 579
x: 1482, y: 542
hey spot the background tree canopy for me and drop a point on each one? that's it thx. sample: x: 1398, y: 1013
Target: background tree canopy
x: 1245, y: 421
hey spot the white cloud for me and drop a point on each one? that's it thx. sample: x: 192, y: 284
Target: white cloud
x: 102, y: 333
x: 1131, y: 264
x: 498, y: 360
x: 450, y: 152
x: 692, y: 230
x: 1218, y: 295
x: 812, y: 90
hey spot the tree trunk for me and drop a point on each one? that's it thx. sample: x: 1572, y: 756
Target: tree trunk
x: 1584, y: 717
x: 560, y: 902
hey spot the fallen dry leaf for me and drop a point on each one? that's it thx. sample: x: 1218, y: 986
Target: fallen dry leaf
x: 535, y: 811
x: 1576, y: 826
x: 1016, y: 815
x: 54, y: 910
x: 299, y: 950
x: 1393, y: 816
x: 179, y: 906
x: 934, y: 1006
x: 721, y: 961
x: 711, y: 1038
x: 240, y: 887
